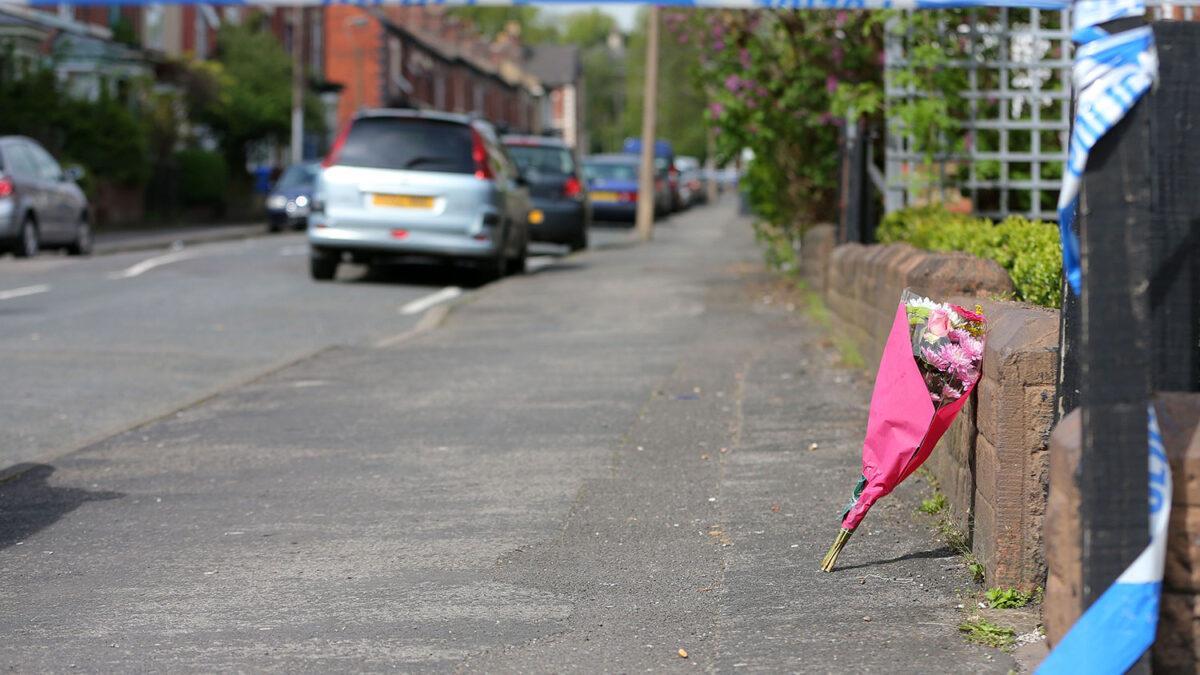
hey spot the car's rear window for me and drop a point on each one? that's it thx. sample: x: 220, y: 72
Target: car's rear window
x: 410, y: 144
x: 610, y: 171
x: 543, y: 159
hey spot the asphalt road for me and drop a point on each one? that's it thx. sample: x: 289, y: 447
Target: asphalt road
x: 586, y: 469
x: 94, y: 346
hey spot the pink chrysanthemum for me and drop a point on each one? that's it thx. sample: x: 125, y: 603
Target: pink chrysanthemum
x: 956, y: 359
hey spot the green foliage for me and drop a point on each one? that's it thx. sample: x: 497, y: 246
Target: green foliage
x: 587, y: 28
x: 987, y: 633
x: 107, y: 139
x: 491, y: 21
x: 934, y: 505
x: 977, y: 571
x: 202, y: 177
x: 771, y: 79
x: 1007, y: 598
x: 253, y: 97
x: 1028, y: 250
x: 105, y: 136
x: 680, y: 105
x: 604, y: 98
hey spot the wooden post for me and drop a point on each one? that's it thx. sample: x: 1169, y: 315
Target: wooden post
x: 852, y: 176
x: 1174, y: 231
x: 646, y: 176
x: 1114, y: 353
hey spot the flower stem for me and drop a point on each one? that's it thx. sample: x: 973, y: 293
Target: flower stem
x: 838, y: 544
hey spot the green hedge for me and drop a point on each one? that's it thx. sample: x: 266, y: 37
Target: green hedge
x: 1029, y: 250
x: 203, y: 180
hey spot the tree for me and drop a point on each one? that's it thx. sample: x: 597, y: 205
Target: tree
x: 587, y: 28
x: 253, y: 99
x: 491, y: 21
x: 604, y: 97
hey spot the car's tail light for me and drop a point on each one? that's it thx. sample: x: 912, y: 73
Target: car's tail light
x: 572, y: 188
x: 6, y: 187
x: 336, y: 150
x: 628, y: 196
x: 483, y: 169
x: 658, y: 185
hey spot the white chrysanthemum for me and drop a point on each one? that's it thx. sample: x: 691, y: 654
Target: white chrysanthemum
x: 919, y: 301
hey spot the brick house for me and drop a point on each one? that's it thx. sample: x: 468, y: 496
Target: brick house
x: 561, y: 72
x: 416, y: 56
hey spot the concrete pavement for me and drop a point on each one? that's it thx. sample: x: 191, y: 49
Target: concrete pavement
x: 583, y: 470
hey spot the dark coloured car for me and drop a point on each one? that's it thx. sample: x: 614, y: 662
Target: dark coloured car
x: 288, y: 202
x: 40, y: 204
x: 561, y: 209
x: 410, y: 183
x: 612, y: 183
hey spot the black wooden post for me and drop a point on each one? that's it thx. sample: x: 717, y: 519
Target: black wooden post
x: 1114, y: 351
x: 1068, y: 354
x: 1175, y: 223
x: 852, y: 182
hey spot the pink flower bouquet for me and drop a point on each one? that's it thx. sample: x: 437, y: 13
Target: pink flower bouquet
x: 930, y: 365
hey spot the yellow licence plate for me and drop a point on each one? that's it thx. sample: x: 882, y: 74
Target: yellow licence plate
x: 403, y: 201
x: 605, y: 197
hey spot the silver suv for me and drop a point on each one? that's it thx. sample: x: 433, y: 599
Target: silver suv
x: 408, y: 183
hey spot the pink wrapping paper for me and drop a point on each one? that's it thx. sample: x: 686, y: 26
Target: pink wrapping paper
x: 902, y: 426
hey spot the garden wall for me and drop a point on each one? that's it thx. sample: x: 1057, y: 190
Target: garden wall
x: 993, y: 463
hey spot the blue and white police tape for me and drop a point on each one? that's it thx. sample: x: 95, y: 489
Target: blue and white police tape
x: 1120, y: 626
x: 1111, y: 73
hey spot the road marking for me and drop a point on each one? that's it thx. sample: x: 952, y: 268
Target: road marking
x: 23, y: 291
x: 432, y: 319
x: 537, y: 262
x: 294, y: 249
x: 150, y: 263
x: 421, y: 304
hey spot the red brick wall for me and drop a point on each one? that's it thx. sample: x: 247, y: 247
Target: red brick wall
x: 352, y: 57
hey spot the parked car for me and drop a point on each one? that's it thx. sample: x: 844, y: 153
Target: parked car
x: 561, y: 210
x: 288, y: 202
x: 612, y: 181
x: 664, y: 161
x: 691, y: 184
x: 40, y: 204
x: 402, y: 183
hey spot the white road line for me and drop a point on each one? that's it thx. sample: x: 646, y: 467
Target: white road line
x: 150, y: 263
x: 536, y: 262
x: 23, y: 291
x: 294, y: 249
x: 430, y: 320
x: 421, y: 304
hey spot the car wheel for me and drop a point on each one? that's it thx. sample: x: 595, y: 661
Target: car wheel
x: 27, y: 240
x: 323, y: 265
x: 580, y: 243
x: 517, y: 265
x: 83, y: 239
x: 273, y: 227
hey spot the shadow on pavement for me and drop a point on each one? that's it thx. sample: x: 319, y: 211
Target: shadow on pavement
x: 943, y: 552
x: 29, y: 504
